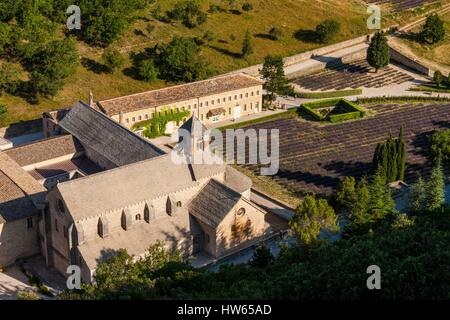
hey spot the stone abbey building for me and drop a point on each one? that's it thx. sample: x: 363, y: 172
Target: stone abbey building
x: 94, y: 187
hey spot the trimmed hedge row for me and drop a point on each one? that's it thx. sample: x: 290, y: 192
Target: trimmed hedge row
x: 328, y: 94
x: 351, y: 110
x: 402, y: 99
x: 345, y: 116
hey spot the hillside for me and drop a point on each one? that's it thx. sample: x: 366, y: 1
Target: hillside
x: 226, y: 28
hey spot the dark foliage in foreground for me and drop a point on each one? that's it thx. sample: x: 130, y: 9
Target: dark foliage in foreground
x: 413, y: 255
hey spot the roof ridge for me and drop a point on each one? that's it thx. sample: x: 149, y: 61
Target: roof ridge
x: 119, y: 125
x: 181, y: 85
x: 127, y: 166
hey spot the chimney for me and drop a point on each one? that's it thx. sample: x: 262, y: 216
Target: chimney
x: 91, y: 99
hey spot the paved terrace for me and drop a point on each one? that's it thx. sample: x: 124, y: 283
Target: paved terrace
x: 313, y: 157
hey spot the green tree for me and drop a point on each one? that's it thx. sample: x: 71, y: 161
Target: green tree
x: 52, y: 66
x: 5, y: 36
x: 181, y: 60
x: 401, y: 155
x: 262, y: 257
x: 381, y: 203
x: 435, y: 195
x: 188, y: 11
x: 378, y: 53
x: 346, y: 195
x: 311, y: 216
x: 275, y: 81
x: 440, y: 144
x: 417, y: 196
x: 433, y: 30
x: 247, y: 48
x: 438, y: 78
x: 391, y: 157
x: 147, y: 70
x: 113, y: 60
x: 327, y: 30
x: 9, y: 78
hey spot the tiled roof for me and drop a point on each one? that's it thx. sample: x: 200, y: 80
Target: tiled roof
x: 20, y: 194
x: 213, y: 203
x: 107, y: 137
x: 178, y: 93
x: 44, y: 150
x: 135, y: 183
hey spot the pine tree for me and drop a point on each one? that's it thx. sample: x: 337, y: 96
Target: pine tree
x: 378, y: 53
x: 417, y: 196
x: 435, y: 196
x: 381, y: 203
x: 401, y: 156
x: 346, y: 194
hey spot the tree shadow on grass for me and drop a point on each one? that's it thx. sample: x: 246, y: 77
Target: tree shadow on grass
x: 227, y: 52
x: 93, y: 65
x: 411, y: 36
x: 306, y: 36
x: 136, y: 58
x: 265, y: 36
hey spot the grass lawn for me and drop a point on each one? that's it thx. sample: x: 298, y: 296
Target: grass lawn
x: 296, y: 19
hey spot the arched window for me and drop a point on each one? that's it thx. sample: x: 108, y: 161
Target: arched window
x: 138, y: 217
x: 179, y: 204
x: 102, y: 227
x: 149, y: 213
x: 61, y: 207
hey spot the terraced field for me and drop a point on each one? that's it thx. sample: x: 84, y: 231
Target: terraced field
x: 314, y: 157
x: 399, y: 5
x: 352, y: 75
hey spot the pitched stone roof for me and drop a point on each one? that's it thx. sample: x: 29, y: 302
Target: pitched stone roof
x: 135, y: 183
x: 43, y: 150
x: 178, y: 93
x: 107, y: 137
x: 20, y: 194
x: 213, y: 203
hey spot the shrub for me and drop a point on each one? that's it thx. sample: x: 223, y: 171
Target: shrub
x: 247, y: 6
x: 27, y: 295
x: 147, y: 70
x: 113, y: 60
x: 156, y: 126
x: 189, y: 12
x: 328, y: 94
x: 378, y: 53
x: 275, y: 33
x: 438, y: 78
x: 327, y: 30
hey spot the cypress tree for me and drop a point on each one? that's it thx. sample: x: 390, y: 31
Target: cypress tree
x: 401, y: 156
x: 435, y: 188
x: 378, y: 53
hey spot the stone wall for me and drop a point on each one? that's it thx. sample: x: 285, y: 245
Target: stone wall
x: 410, y: 62
x: 288, y: 61
x: 18, y: 241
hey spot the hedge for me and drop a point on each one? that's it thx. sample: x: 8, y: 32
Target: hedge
x: 403, y: 99
x: 328, y: 94
x: 351, y: 110
x: 345, y: 116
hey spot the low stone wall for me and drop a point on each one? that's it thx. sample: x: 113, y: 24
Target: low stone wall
x: 410, y: 62
x: 288, y: 61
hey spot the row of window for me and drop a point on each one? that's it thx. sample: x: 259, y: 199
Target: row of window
x: 194, y: 106
x: 146, y: 116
